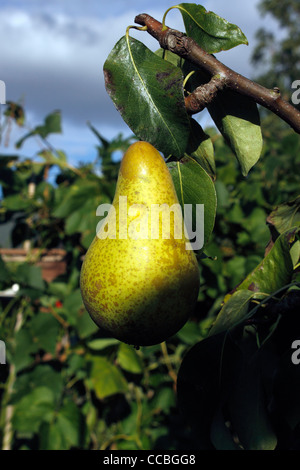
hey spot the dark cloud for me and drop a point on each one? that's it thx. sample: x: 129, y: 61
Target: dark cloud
x: 52, y: 56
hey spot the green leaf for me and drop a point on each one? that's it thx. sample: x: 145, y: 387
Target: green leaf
x: 40, y: 376
x: 129, y: 360
x: 148, y: 92
x: 285, y: 216
x: 220, y: 434
x: 237, y: 118
x: 169, y: 56
x: 190, y: 333
x: 24, y: 348
x: 164, y: 400
x: 52, y: 124
x: 106, y: 378
x: 201, y: 149
x: 44, y: 329
x: 295, y: 253
x: 85, y: 325
x: 5, y: 274
x: 233, y: 311
x: 33, y: 408
x: 54, y: 158
x: 70, y: 199
x: 194, y: 186
x: 73, y: 305
x: 30, y: 275
x: 102, y: 343
x: 17, y: 202
x: 275, y: 270
x: 204, y: 372
x: 210, y: 31
x: 248, y: 409
x: 63, y: 432
x: 40, y: 333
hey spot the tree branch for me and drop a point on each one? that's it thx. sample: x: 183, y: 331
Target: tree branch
x: 204, y: 94
x: 184, y: 46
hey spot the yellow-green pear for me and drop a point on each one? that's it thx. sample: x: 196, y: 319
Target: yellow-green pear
x: 140, y: 278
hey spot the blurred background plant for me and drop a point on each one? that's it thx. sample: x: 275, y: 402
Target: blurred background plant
x: 67, y: 384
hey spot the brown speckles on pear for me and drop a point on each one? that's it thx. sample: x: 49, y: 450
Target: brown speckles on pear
x: 141, y: 291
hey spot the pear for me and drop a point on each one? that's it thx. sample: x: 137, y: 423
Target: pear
x: 140, y: 279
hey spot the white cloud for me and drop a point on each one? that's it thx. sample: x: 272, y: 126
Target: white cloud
x: 52, y: 56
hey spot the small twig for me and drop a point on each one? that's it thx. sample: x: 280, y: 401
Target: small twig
x: 168, y: 363
x: 203, y: 95
x: 184, y: 46
x: 8, y: 431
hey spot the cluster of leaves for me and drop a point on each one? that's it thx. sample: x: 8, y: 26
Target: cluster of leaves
x: 243, y: 393
x: 67, y: 384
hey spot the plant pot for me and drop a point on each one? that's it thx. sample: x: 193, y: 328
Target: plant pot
x: 52, y: 262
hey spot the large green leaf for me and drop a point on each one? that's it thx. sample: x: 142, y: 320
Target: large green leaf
x: 209, y: 30
x: 285, y: 216
x: 202, y: 383
x: 248, y: 409
x: 233, y: 311
x: 237, y: 118
x: 44, y: 329
x: 275, y: 270
x: 40, y: 334
x: 201, y: 148
x: 148, y: 92
x: 194, y: 186
x: 221, y: 436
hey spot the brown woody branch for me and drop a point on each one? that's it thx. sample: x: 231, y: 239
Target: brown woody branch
x: 221, y: 75
x: 203, y: 95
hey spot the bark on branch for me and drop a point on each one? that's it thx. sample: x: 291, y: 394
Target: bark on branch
x: 184, y: 46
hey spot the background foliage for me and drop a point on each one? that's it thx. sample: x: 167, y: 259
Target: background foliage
x: 226, y: 379
x: 69, y: 385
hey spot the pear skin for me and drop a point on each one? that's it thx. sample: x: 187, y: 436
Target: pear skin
x: 139, y: 282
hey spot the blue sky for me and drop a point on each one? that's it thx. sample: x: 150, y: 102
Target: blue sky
x: 52, y: 56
